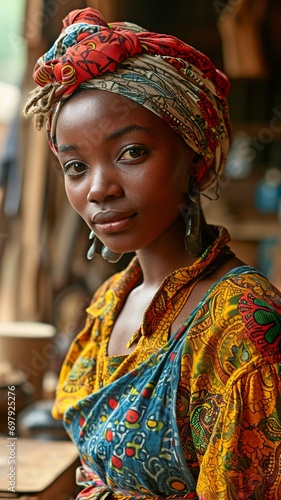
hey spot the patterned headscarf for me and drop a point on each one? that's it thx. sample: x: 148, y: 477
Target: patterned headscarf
x: 170, y: 78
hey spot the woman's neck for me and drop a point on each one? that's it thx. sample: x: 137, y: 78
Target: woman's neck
x: 168, y: 253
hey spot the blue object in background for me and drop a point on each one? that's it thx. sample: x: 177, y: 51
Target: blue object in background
x: 268, y: 192
x: 266, y: 256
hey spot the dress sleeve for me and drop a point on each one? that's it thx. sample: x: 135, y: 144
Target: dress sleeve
x: 240, y: 389
x: 242, y: 460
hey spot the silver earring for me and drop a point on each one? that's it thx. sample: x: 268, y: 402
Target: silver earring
x: 107, y: 254
x: 110, y: 256
x: 193, y: 236
x: 92, y: 250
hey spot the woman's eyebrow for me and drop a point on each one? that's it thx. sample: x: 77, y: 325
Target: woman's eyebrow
x: 125, y: 130
x: 64, y: 148
x: 67, y: 147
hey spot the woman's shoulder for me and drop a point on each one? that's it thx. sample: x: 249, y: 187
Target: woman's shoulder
x: 246, y: 281
x: 242, y: 311
x: 222, y: 292
x: 235, y: 330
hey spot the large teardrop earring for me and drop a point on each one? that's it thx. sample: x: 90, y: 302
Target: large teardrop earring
x: 106, y: 253
x: 92, y: 250
x: 110, y: 256
x: 193, y: 234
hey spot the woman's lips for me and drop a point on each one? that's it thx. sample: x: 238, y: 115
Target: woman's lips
x: 110, y: 222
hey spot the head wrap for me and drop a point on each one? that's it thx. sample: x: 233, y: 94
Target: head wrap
x: 167, y: 76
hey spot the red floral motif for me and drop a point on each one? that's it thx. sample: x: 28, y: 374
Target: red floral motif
x: 208, y: 110
x: 211, y: 139
x: 263, y: 325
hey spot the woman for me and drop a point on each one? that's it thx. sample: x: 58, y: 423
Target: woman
x: 172, y: 389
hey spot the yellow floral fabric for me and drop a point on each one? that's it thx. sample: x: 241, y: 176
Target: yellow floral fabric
x: 228, y: 395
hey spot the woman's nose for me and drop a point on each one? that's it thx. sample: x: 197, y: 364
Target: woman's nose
x: 103, y: 184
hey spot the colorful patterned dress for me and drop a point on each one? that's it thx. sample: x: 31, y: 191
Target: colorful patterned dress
x: 196, y: 415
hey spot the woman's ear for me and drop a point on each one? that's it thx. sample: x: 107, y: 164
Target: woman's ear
x: 195, y: 162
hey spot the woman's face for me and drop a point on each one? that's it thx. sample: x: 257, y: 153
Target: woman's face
x: 126, y: 171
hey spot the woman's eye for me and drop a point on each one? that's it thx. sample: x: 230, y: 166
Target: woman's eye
x: 133, y: 153
x: 74, y: 169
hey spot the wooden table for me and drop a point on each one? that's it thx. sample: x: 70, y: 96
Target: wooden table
x: 32, y: 469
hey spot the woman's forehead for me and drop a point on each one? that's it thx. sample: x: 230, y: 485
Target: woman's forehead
x: 102, y: 116
x: 107, y: 108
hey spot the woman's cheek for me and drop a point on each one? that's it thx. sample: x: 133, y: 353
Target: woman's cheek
x: 76, y: 197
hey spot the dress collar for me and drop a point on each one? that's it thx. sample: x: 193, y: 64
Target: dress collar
x: 169, y: 292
